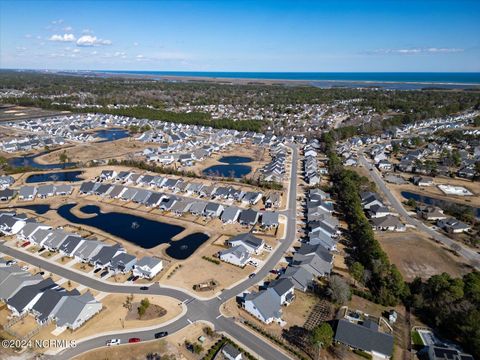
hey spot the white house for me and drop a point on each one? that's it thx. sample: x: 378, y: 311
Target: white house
x: 147, y: 267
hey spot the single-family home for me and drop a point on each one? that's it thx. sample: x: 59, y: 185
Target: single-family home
x: 76, y: 310
x: 253, y: 244
x: 147, y: 267
x: 236, y: 255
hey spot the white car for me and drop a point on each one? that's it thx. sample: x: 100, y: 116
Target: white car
x: 25, y: 268
x: 112, y: 342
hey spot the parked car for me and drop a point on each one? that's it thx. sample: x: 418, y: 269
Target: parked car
x: 103, y: 274
x: 144, y: 288
x: 26, y: 243
x: 252, y: 275
x: 135, y: 278
x: 11, y: 262
x: 41, y: 249
x: 161, y: 334
x: 25, y: 268
x: 97, y: 270
x: 40, y: 273
x: 134, y: 340
x: 130, y: 278
x: 112, y: 342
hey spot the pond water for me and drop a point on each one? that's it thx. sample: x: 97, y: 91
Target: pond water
x: 234, y: 169
x: 29, y: 160
x: 39, y: 209
x: 235, y: 159
x: 111, y: 134
x: 443, y: 204
x: 55, y: 176
x: 138, y: 230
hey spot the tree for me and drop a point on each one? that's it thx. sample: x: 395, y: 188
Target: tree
x: 63, y: 157
x: 321, y: 337
x: 141, y: 311
x: 357, y: 270
x: 145, y: 303
x: 339, y: 290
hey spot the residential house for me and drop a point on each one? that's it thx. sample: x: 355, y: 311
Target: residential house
x: 364, y: 337
x: 269, y: 220
x: 453, y: 226
x: 431, y: 213
x: 122, y: 262
x: 76, y: 310
x: 230, y: 214
x: 147, y: 267
x: 236, y: 255
x: 248, y: 217
x: 28, y: 295
x: 253, y: 244
x: 388, y: 223
x: 27, y: 193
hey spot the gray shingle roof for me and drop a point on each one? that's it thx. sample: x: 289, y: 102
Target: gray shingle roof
x: 364, y: 338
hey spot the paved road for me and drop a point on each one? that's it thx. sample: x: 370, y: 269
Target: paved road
x: 197, y: 309
x: 467, y: 253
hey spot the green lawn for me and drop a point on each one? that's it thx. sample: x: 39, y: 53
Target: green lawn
x: 416, y: 338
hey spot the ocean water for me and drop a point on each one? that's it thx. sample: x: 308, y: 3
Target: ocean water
x: 459, y: 78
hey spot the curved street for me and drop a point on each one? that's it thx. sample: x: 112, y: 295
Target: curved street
x: 196, y: 309
x: 464, y: 251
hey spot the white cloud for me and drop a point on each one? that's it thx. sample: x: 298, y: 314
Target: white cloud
x: 76, y: 50
x: 68, y: 28
x: 62, y: 38
x: 416, y: 51
x: 89, y: 40
x: 135, y: 43
x: 87, y: 31
x: 57, y: 22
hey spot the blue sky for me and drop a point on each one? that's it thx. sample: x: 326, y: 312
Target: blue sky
x: 408, y: 35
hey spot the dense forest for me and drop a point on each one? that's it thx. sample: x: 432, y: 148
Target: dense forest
x: 396, y: 107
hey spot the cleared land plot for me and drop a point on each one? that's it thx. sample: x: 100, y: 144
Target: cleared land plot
x: 416, y: 255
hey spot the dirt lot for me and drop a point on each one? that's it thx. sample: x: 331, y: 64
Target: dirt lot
x: 9, y: 113
x: 417, y: 255
x: 119, y: 149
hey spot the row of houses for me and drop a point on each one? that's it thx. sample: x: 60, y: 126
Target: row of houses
x: 94, y: 252
x: 449, y: 224
x: 310, y: 261
x: 47, y: 301
x: 275, y: 169
x: 312, y: 170
x: 179, y: 205
x: 381, y: 217
x: 213, y: 191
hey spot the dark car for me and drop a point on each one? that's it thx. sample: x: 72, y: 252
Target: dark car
x: 104, y: 273
x: 252, y: 275
x: 161, y: 334
x: 97, y: 270
x: 130, y: 278
x: 144, y: 288
x: 40, y: 273
x: 41, y: 249
x: 135, y: 278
